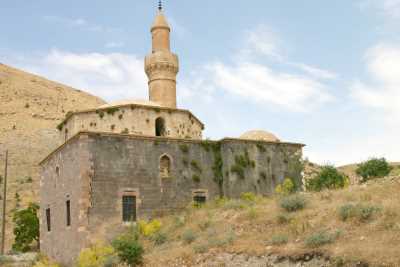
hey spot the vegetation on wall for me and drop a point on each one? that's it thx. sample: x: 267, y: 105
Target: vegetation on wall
x: 242, y: 162
x: 373, y: 168
x: 195, y: 166
x: 184, y: 148
x: 26, y: 229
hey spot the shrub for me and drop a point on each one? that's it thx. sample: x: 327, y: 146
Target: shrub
x: 149, y: 228
x: 44, y: 262
x: 129, y: 249
x: 248, y: 196
x: 189, y: 236
x: 293, y: 203
x: 373, y: 168
x: 159, y: 238
x: 284, y: 218
x: 362, y: 212
x: 320, y: 239
x: 286, y: 188
x: 328, y: 178
x: 26, y: 229
x: 279, y: 239
x: 97, y: 255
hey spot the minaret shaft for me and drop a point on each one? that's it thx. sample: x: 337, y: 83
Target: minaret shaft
x: 162, y: 65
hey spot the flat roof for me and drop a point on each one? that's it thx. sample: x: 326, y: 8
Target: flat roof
x: 157, y: 138
x: 72, y: 113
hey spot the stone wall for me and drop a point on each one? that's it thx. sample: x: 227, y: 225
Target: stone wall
x: 65, y: 176
x: 133, y: 119
x: 96, y: 170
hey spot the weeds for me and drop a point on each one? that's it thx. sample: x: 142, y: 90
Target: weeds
x: 279, y: 239
x: 361, y: 212
x: 293, y: 203
x: 189, y: 236
x: 320, y: 239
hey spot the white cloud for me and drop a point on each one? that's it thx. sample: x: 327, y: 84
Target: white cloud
x: 111, y: 76
x: 252, y: 77
x: 388, y: 8
x: 383, y: 91
x: 262, y: 84
x: 81, y: 24
x: 114, y: 44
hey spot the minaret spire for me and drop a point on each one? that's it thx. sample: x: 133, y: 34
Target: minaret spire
x: 160, y: 5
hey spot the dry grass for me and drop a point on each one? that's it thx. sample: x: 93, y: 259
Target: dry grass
x: 239, y: 226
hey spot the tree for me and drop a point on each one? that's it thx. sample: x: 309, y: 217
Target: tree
x: 328, y: 178
x: 26, y: 229
x: 128, y: 248
x: 373, y: 168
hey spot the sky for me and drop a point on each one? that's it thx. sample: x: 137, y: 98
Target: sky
x: 322, y: 73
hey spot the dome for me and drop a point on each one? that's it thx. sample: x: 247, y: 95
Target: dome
x: 260, y: 135
x: 131, y: 102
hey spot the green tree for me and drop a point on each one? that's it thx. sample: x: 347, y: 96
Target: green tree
x: 26, y: 229
x: 328, y: 178
x: 128, y: 248
x: 373, y: 168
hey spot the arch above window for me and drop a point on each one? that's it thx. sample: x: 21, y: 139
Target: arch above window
x: 165, y: 166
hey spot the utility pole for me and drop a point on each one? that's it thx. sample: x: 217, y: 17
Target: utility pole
x: 3, y: 229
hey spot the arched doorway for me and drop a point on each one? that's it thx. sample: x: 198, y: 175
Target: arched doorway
x: 160, y: 127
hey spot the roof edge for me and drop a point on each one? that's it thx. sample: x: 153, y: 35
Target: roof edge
x: 147, y: 137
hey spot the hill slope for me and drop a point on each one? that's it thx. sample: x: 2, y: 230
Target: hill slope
x: 31, y: 108
x: 356, y: 226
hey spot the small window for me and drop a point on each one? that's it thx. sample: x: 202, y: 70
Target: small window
x: 200, y: 197
x: 160, y: 127
x: 165, y: 167
x: 129, y: 208
x: 66, y: 134
x: 68, y: 206
x: 48, y: 219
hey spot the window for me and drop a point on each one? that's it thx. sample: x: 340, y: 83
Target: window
x: 68, y: 206
x: 66, y: 134
x: 160, y: 127
x: 48, y: 219
x: 200, y: 197
x: 165, y: 166
x: 129, y: 208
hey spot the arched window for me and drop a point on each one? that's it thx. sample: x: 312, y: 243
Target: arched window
x: 165, y: 166
x: 160, y: 127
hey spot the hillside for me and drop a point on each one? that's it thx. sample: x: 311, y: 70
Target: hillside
x: 31, y: 108
x: 356, y: 226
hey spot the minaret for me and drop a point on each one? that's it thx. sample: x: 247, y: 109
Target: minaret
x: 162, y: 65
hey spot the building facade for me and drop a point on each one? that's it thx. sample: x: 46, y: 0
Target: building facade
x: 139, y: 160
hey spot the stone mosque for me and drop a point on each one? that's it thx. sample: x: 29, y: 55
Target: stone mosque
x: 135, y: 160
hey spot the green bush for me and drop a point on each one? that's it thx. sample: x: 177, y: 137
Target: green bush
x: 362, y: 212
x: 321, y: 238
x: 159, y: 238
x: 189, y: 236
x: 284, y: 219
x: 293, y: 203
x: 286, y: 188
x: 129, y: 249
x: 97, y: 255
x: 373, y: 168
x: 279, y: 240
x: 248, y: 196
x: 26, y: 228
x: 328, y: 178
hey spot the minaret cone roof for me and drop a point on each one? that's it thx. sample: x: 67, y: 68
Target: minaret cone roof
x: 160, y: 21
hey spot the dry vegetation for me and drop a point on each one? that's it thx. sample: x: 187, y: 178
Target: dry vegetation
x: 31, y: 108
x: 370, y: 233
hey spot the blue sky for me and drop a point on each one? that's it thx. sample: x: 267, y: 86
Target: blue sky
x: 323, y: 73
